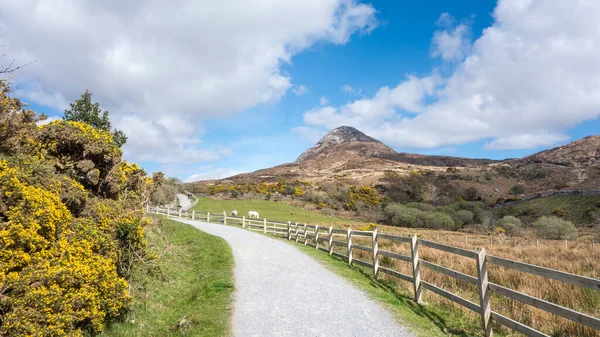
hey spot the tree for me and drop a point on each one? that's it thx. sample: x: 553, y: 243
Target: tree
x: 83, y: 110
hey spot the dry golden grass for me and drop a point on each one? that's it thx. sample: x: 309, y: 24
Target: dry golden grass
x: 578, y: 258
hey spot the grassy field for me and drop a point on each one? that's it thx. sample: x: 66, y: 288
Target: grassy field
x: 186, y: 291
x: 578, y: 258
x: 271, y: 210
x: 577, y: 208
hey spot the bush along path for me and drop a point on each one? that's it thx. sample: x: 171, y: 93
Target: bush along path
x: 280, y: 291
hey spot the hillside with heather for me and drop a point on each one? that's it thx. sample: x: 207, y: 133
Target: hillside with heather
x: 348, y: 155
x: 348, y: 173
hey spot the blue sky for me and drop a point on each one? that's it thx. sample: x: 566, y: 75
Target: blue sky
x: 209, y: 98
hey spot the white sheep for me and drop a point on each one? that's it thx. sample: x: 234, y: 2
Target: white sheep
x: 253, y: 214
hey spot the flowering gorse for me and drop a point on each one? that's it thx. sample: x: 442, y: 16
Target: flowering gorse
x: 71, y: 223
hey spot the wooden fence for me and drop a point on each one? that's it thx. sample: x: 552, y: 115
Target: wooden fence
x: 326, y: 238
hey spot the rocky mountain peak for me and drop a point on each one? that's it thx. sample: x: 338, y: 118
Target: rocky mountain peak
x: 342, y: 134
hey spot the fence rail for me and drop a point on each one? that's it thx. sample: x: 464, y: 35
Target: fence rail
x: 322, y: 238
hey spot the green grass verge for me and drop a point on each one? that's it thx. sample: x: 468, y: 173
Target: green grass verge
x: 272, y: 210
x: 577, y: 207
x: 188, y: 292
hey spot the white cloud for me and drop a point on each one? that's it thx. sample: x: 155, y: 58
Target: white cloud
x: 189, y: 60
x: 530, y: 141
x: 451, y: 43
x: 313, y: 134
x: 210, y: 174
x: 407, y: 96
x: 347, y: 89
x: 300, y: 90
x: 531, y: 76
x: 323, y: 100
x: 445, y: 20
x: 168, y: 137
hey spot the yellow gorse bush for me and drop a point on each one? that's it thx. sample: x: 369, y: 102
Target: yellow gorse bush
x: 71, y: 223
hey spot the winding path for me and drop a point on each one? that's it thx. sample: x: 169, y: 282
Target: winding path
x: 281, y: 291
x: 184, y: 201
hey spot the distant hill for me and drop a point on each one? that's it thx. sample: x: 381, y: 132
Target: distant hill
x: 347, y: 154
x: 584, y: 152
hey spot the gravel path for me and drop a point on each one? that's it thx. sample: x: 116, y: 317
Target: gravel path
x: 281, y: 291
x: 184, y: 201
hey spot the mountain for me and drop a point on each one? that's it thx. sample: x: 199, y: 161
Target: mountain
x: 348, y: 155
x: 367, y: 146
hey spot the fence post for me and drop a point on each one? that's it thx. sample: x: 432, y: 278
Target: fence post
x: 207, y: 216
x: 330, y: 240
x: 349, y: 246
x: 305, y: 234
x: 168, y: 212
x: 317, y: 237
x: 296, y: 231
x: 147, y: 208
x: 566, y: 244
x: 180, y: 213
x: 375, y: 257
x: 243, y: 221
x: 484, y: 293
x: 537, y: 243
x: 414, y: 244
x: 156, y: 210
x: 224, y: 218
x: 265, y: 225
x: 289, y: 230
x: 193, y: 214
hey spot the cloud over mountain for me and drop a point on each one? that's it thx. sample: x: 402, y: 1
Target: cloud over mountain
x: 530, y: 77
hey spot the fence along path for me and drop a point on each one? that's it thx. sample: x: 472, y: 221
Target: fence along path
x: 326, y: 238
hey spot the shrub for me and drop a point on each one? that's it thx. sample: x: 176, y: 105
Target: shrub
x: 71, y: 220
x: 517, y: 189
x: 327, y: 211
x: 446, y: 209
x: 421, y: 206
x: 510, y: 224
x: 368, y: 227
x: 438, y: 221
x: 399, y: 215
x: 559, y: 212
x: 471, y: 194
x: 463, y: 217
x: 551, y: 227
x: 487, y: 219
x: 473, y: 206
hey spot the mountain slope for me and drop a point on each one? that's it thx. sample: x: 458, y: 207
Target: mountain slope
x: 349, y: 155
x: 584, y: 152
x: 367, y: 146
